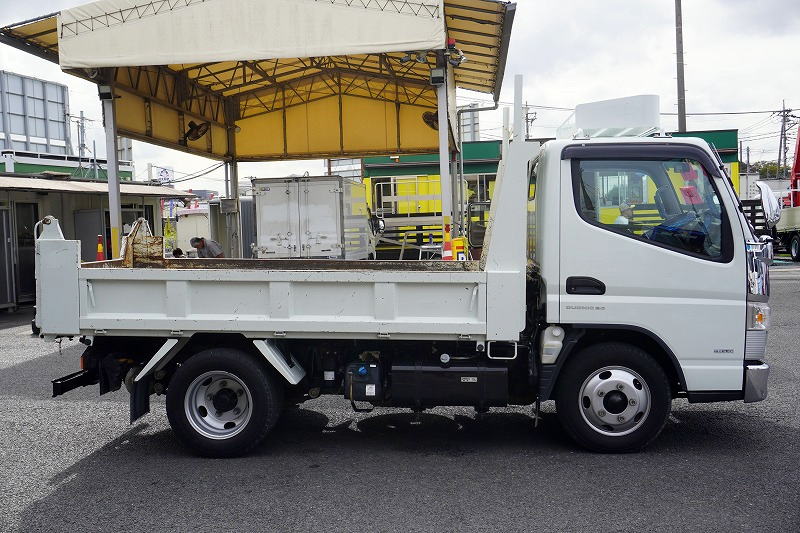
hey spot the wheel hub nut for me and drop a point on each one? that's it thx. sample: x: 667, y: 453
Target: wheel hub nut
x: 601, y: 413
x: 621, y: 418
x: 601, y: 393
x: 633, y: 401
x: 620, y: 386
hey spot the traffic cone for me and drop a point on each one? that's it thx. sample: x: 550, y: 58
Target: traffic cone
x: 447, y: 243
x: 100, y: 255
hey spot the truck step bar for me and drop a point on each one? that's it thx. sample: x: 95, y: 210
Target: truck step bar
x: 81, y: 378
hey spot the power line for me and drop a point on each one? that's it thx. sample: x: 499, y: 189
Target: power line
x: 696, y: 114
x: 199, y: 175
x: 756, y: 125
x: 729, y: 113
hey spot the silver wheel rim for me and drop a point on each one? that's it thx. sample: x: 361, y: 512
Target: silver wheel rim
x: 614, y: 401
x: 795, y: 246
x: 218, y: 405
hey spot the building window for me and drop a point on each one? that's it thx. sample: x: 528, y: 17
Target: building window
x: 36, y: 127
x: 16, y: 123
x: 55, y: 93
x: 14, y: 83
x: 57, y: 130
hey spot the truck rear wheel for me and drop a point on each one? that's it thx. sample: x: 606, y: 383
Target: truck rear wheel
x: 794, y: 247
x: 222, y: 402
x: 613, y: 397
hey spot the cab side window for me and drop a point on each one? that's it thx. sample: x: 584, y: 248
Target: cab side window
x: 670, y: 203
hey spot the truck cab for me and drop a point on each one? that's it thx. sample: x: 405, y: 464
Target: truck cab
x: 649, y: 252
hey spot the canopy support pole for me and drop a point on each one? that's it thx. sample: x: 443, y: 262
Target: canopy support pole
x: 446, y: 184
x: 112, y: 167
x: 235, y: 219
x: 233, y: 223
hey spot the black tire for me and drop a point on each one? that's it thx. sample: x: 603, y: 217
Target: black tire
x: 626, y: 360
x: 265, y: 392
x: 794, y: 247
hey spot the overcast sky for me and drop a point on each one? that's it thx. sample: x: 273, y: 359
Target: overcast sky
x: 738, y: 53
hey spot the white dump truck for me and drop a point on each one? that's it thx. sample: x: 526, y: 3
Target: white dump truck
x: 571, y: 301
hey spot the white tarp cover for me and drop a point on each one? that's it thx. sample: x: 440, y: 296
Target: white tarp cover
x: 162, y: 32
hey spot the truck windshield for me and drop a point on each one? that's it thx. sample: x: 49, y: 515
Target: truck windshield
x: 672, y: 203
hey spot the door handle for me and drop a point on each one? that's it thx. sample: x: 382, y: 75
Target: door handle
x: 585, y: 285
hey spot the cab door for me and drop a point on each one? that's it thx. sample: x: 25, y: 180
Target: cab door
x: 674, y: 267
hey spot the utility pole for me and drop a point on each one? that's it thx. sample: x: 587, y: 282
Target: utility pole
x: 94, y: 160
x: 530, y: 117
x: 82, y: 137
x: 679, y: 53
x: 785, y: 139
x: 782, y: 148
x: 80, y: 171
x: 748, y: 160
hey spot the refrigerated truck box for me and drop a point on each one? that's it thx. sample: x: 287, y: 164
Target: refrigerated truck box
x: 323, y: 217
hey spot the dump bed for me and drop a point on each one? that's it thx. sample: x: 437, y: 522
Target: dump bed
x: 144, y: 294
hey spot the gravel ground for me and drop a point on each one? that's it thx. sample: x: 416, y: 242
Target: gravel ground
x: 74, y: 463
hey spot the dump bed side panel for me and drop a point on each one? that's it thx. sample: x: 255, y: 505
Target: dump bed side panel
x: 305, y: 304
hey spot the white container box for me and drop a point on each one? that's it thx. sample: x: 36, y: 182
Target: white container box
x: 312, y: 217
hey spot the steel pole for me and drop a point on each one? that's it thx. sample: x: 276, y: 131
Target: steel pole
x: 112, y: 171
x: 462, y: 223
x: 236, y: 223
x: 233, y: 219
x: 444, y: 157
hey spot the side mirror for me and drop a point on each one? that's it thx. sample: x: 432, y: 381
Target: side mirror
x: 768, y: 253
x: 770, y: 205
x: 377, y: 224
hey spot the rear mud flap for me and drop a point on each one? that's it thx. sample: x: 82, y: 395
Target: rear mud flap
x: 140, y: 398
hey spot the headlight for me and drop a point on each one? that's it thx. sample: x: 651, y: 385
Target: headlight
x: 757, y: 316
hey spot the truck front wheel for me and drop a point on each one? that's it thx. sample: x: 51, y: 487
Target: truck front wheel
x: 222, y: 402
x: 613, y: 397
x: 794, y: 247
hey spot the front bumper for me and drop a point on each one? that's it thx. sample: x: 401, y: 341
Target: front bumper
x: 756, y: 374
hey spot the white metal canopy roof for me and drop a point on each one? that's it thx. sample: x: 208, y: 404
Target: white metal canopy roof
x: 87, y: 187
x: 124, y: 33
x: 275, y: 79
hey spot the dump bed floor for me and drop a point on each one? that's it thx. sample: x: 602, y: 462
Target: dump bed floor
x: 292, y: 264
